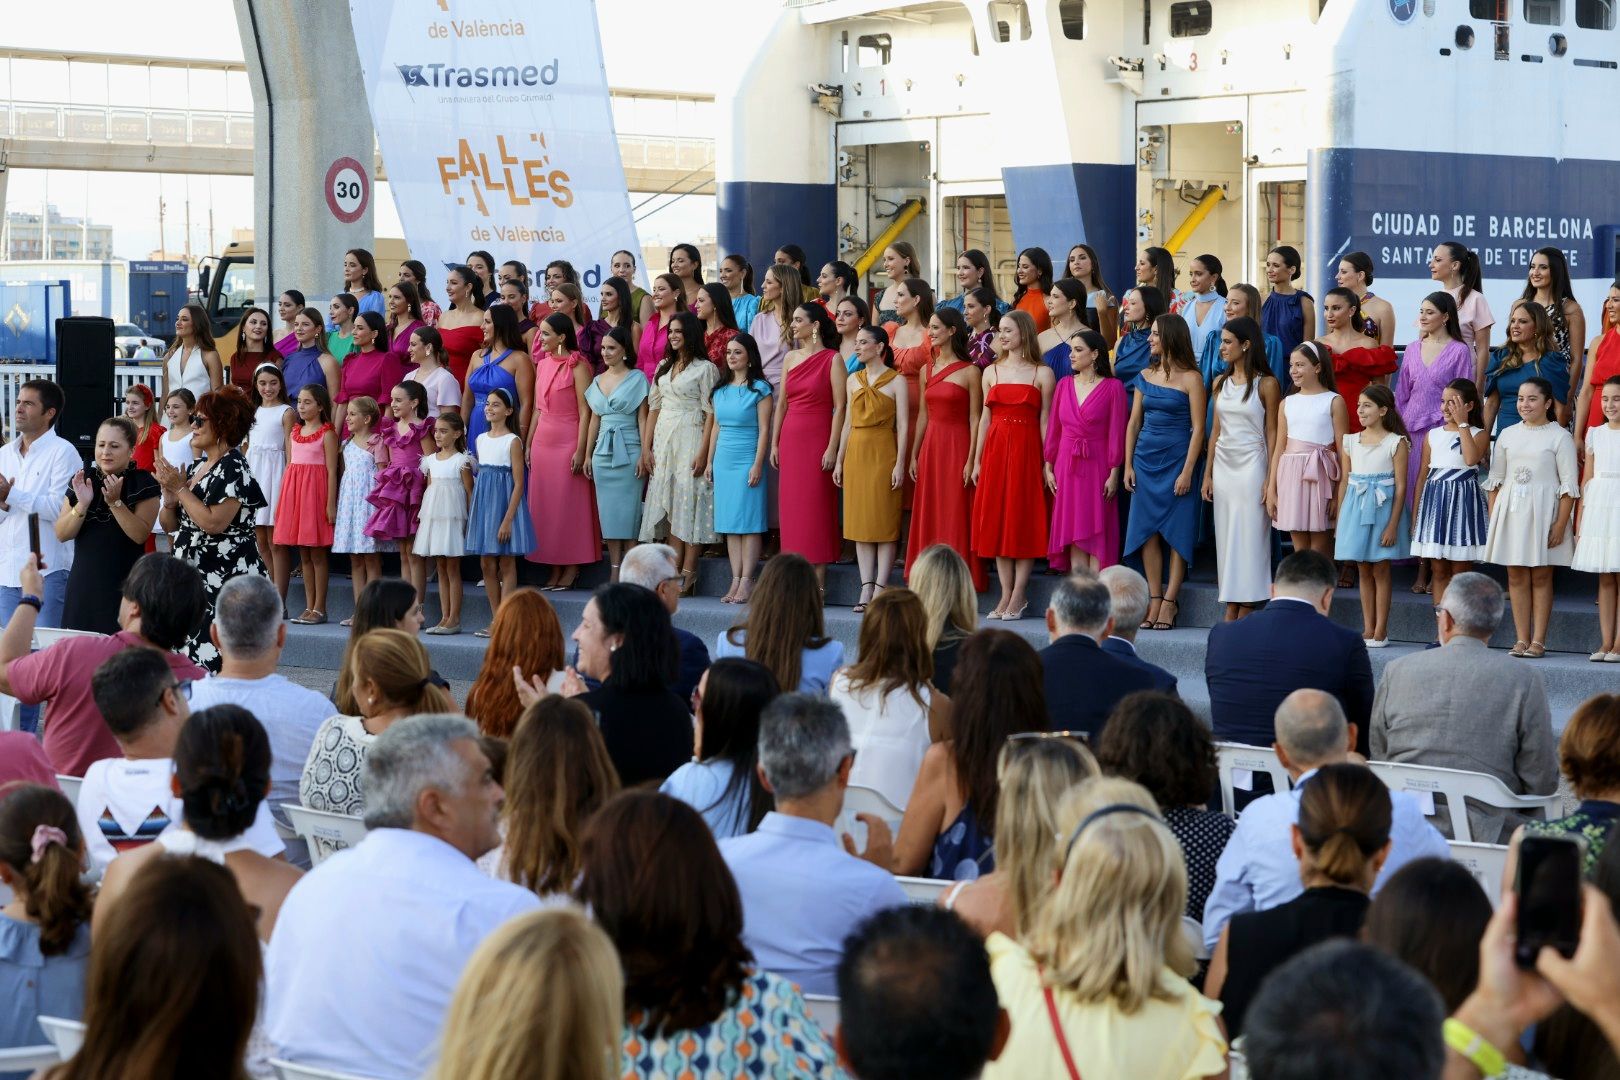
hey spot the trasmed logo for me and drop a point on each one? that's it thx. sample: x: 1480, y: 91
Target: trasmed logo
x: 442, y: 76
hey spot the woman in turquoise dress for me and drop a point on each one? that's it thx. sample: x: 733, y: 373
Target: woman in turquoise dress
x: 617, y: 399
x: 738, y: 443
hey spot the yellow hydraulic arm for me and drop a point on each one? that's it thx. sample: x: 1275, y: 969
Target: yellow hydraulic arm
x: 908, y: 213
x: 1194, y: 219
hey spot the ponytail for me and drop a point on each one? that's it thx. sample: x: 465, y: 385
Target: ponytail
x: 1344, y: 820
x: 1213, y: 266
x: 1468, y: 274
x: 40, y: 841
x: 1358, y: 321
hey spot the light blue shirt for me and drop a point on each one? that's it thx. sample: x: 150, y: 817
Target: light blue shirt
x: 816, y: 666
x: 700, y: 785
x: 368, y: 949
x: 1258, y: 871
x: 34, y: 985
x: 802, y: 895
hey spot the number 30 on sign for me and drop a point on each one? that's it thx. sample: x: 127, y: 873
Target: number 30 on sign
x: 348, y: 190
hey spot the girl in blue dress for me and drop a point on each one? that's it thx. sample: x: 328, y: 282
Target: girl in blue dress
x: 1162, y: 445
x: 1374, y: 527
x: 617, y: 399
x: 738, y: 442
x: 498, y: 525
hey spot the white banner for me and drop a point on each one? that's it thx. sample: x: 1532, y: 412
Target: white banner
x: 497, y: 132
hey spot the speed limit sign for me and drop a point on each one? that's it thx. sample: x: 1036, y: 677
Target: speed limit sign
x: 348, y: 190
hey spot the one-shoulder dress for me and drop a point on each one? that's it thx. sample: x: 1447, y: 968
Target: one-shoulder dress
x: 809, y: 498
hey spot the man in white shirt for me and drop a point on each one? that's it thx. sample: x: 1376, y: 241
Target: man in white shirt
x: 802, y: 893
x: 370, y: 944
x: 36, y: 467
x: 1258, y: 871
x: 250, y: 635
x: 125, y: 802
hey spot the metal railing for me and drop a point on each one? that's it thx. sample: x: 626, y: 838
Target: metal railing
x: 12, y: 376
x: 126, y: 124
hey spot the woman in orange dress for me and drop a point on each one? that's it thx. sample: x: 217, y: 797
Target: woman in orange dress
x: 1009, y: 508
x: 908, y: 337
x: 1034, y: 276
x: 942, y: 449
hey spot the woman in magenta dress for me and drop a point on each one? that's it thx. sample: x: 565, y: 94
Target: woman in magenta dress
x: 370, y: 371
x: 1085, y: 454
x: 1009, y: 509
x: 668, y: 298
x: 562, y: 501
x: 404, y: 316
x: 804, y: 441
x: 1438, y: 356
x: 942, y: 456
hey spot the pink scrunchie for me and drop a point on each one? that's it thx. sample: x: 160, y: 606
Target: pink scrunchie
x: 44, y: 837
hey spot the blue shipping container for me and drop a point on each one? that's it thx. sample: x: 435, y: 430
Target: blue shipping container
x: 157, y: 292
x: 28, y: 314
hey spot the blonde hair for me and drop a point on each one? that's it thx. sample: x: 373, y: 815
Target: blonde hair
x: 399, y: 665
x: 944, y: 584
x: 1028, y: 335
x: 1114, y: 920
x: 1035, y: 775
x: 542, y: 998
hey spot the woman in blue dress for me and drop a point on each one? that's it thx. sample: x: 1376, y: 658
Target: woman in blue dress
x: 504, y: 362
x: 617, y: 399
x: 1162, y: 447
x: 738, y: 442
x: 1066, y: 308
x: 1530, y: 352
x: 1288, y: 313
x: 1137, y: 311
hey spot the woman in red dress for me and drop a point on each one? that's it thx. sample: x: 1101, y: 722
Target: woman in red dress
x: 1009, y: 508
x: 942, y: 454
x: 461, y: 326
x: 804, y: 438
x: 913, y: 351
x: 713, y: 306
x: 1358, y: 360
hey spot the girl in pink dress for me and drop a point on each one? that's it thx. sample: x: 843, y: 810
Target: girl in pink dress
x: 1085, y: 453
x: 397, y: 491
x: 562, y: 501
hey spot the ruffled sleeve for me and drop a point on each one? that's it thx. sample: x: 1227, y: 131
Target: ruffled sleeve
x: 1208, y: 1056
x: 707, y: 376
x: 1373, y: 362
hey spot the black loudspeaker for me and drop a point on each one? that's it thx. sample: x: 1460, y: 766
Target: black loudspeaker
x: 85, y: 355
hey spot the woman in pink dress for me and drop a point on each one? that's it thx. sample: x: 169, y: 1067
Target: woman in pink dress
x: 562, y: 501
x: 370, y: 371
x: 1457, y: 270
x: 404, y: 316
x: 772, y: 326
x: 804, y: 440
x: 668, y: 297
x: 1085, y: 453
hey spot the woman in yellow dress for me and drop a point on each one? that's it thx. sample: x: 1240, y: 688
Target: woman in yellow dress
x: 868, y: 467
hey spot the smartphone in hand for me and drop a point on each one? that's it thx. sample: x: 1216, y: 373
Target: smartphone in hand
x: 1548, y: 886
x: 33, y: 535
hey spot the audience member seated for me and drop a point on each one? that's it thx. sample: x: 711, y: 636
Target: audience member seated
x: 1453, y: 708
x: 1589, y: 754
x: 1036, y: 769
x: 126, y: 802
x: 916, y: 999
x: 1083, y: 683
x: 560, y: 775
x: 1344, y: 1011
x: 1258, y: 869
x: 173, y: 988
x: 370, y: 944
x: 721, y: 782
x: 163, y: 601
x: 384, y: 604
x: 392, y: 679
x: 1569, y: 1043
x: 23, y: 759
x: 1128, y: 597
x: 541, y: 999
x: 45, y: 926
x: 944, y: 584
x: 249, y: 632
x: 784, y: 629
x: 527, y: 636
x: 802, y: 893
x: 1341, y: 841
x: 894, y: 713
x: 1431, y: 915
x: 1290, y: 644
x: 625, y: 644
x: 1099, y: 986
x: 1156, y: 741
x: 221, y: 771
x: 653, y: 567
x: 653, y: 878
x: 950, y: 822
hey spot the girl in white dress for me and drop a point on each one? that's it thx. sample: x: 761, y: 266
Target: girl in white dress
x: 1301, y: 495
x: 442, y: 532
x: 1533, y: 486
x: 176, y: 446
x: 1246, y: 400
x: 363, y: 453
x: 267, y: 457
x: 1450, y: 513
x: 1597, y: 522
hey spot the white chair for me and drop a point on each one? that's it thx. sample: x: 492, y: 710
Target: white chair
x: 1237, y: 1062
x: 922, y: 891
x: 8, y: 715
x: 1193, y: 931
x: 1486, y: 862
x: 25, y: 1059
x: 289, y: 1070
x: 865, y: 800
x: 1235, y: 759
x: 1457, y: 785
x: 70, y: 786
x: 46, y: 636
x: 324, y: 833
x: 66, y: 1035
x: 824, y: 1010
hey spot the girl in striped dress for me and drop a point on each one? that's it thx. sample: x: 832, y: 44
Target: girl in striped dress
x: 1450, y: 505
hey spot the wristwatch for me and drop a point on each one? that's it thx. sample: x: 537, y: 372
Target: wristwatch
x: 116, y: 503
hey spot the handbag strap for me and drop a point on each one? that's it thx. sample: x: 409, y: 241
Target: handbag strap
x: 1057, y: 1031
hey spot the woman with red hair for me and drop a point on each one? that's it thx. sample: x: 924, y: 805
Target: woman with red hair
x: 527, y: 636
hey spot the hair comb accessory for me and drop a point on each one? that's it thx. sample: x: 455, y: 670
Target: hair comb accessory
x: 44, y: 837
x: 1101, y: 812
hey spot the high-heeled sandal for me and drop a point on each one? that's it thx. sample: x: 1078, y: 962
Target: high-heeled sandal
x: 1146, y: 623
x: 688, y: 582
x: 1160, y: 624
x: 865, y: 599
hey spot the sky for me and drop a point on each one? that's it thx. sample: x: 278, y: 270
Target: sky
x: 634, y: 48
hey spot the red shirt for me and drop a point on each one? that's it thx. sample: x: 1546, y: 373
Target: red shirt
x: 75, y: 734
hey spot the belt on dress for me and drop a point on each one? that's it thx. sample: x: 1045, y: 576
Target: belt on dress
x: 1321, y: 463
x: 1079, y: 447
x: 615, y: 450
x: 1382, y: 486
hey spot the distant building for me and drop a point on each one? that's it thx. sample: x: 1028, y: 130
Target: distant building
x: 68, y: 238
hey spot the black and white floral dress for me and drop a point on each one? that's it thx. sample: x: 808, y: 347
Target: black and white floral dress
x: 231, y: 553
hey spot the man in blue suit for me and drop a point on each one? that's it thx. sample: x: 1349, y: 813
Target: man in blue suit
x: 1083, y: 683
x: 1252, y: 664
x: 1128, y: 593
